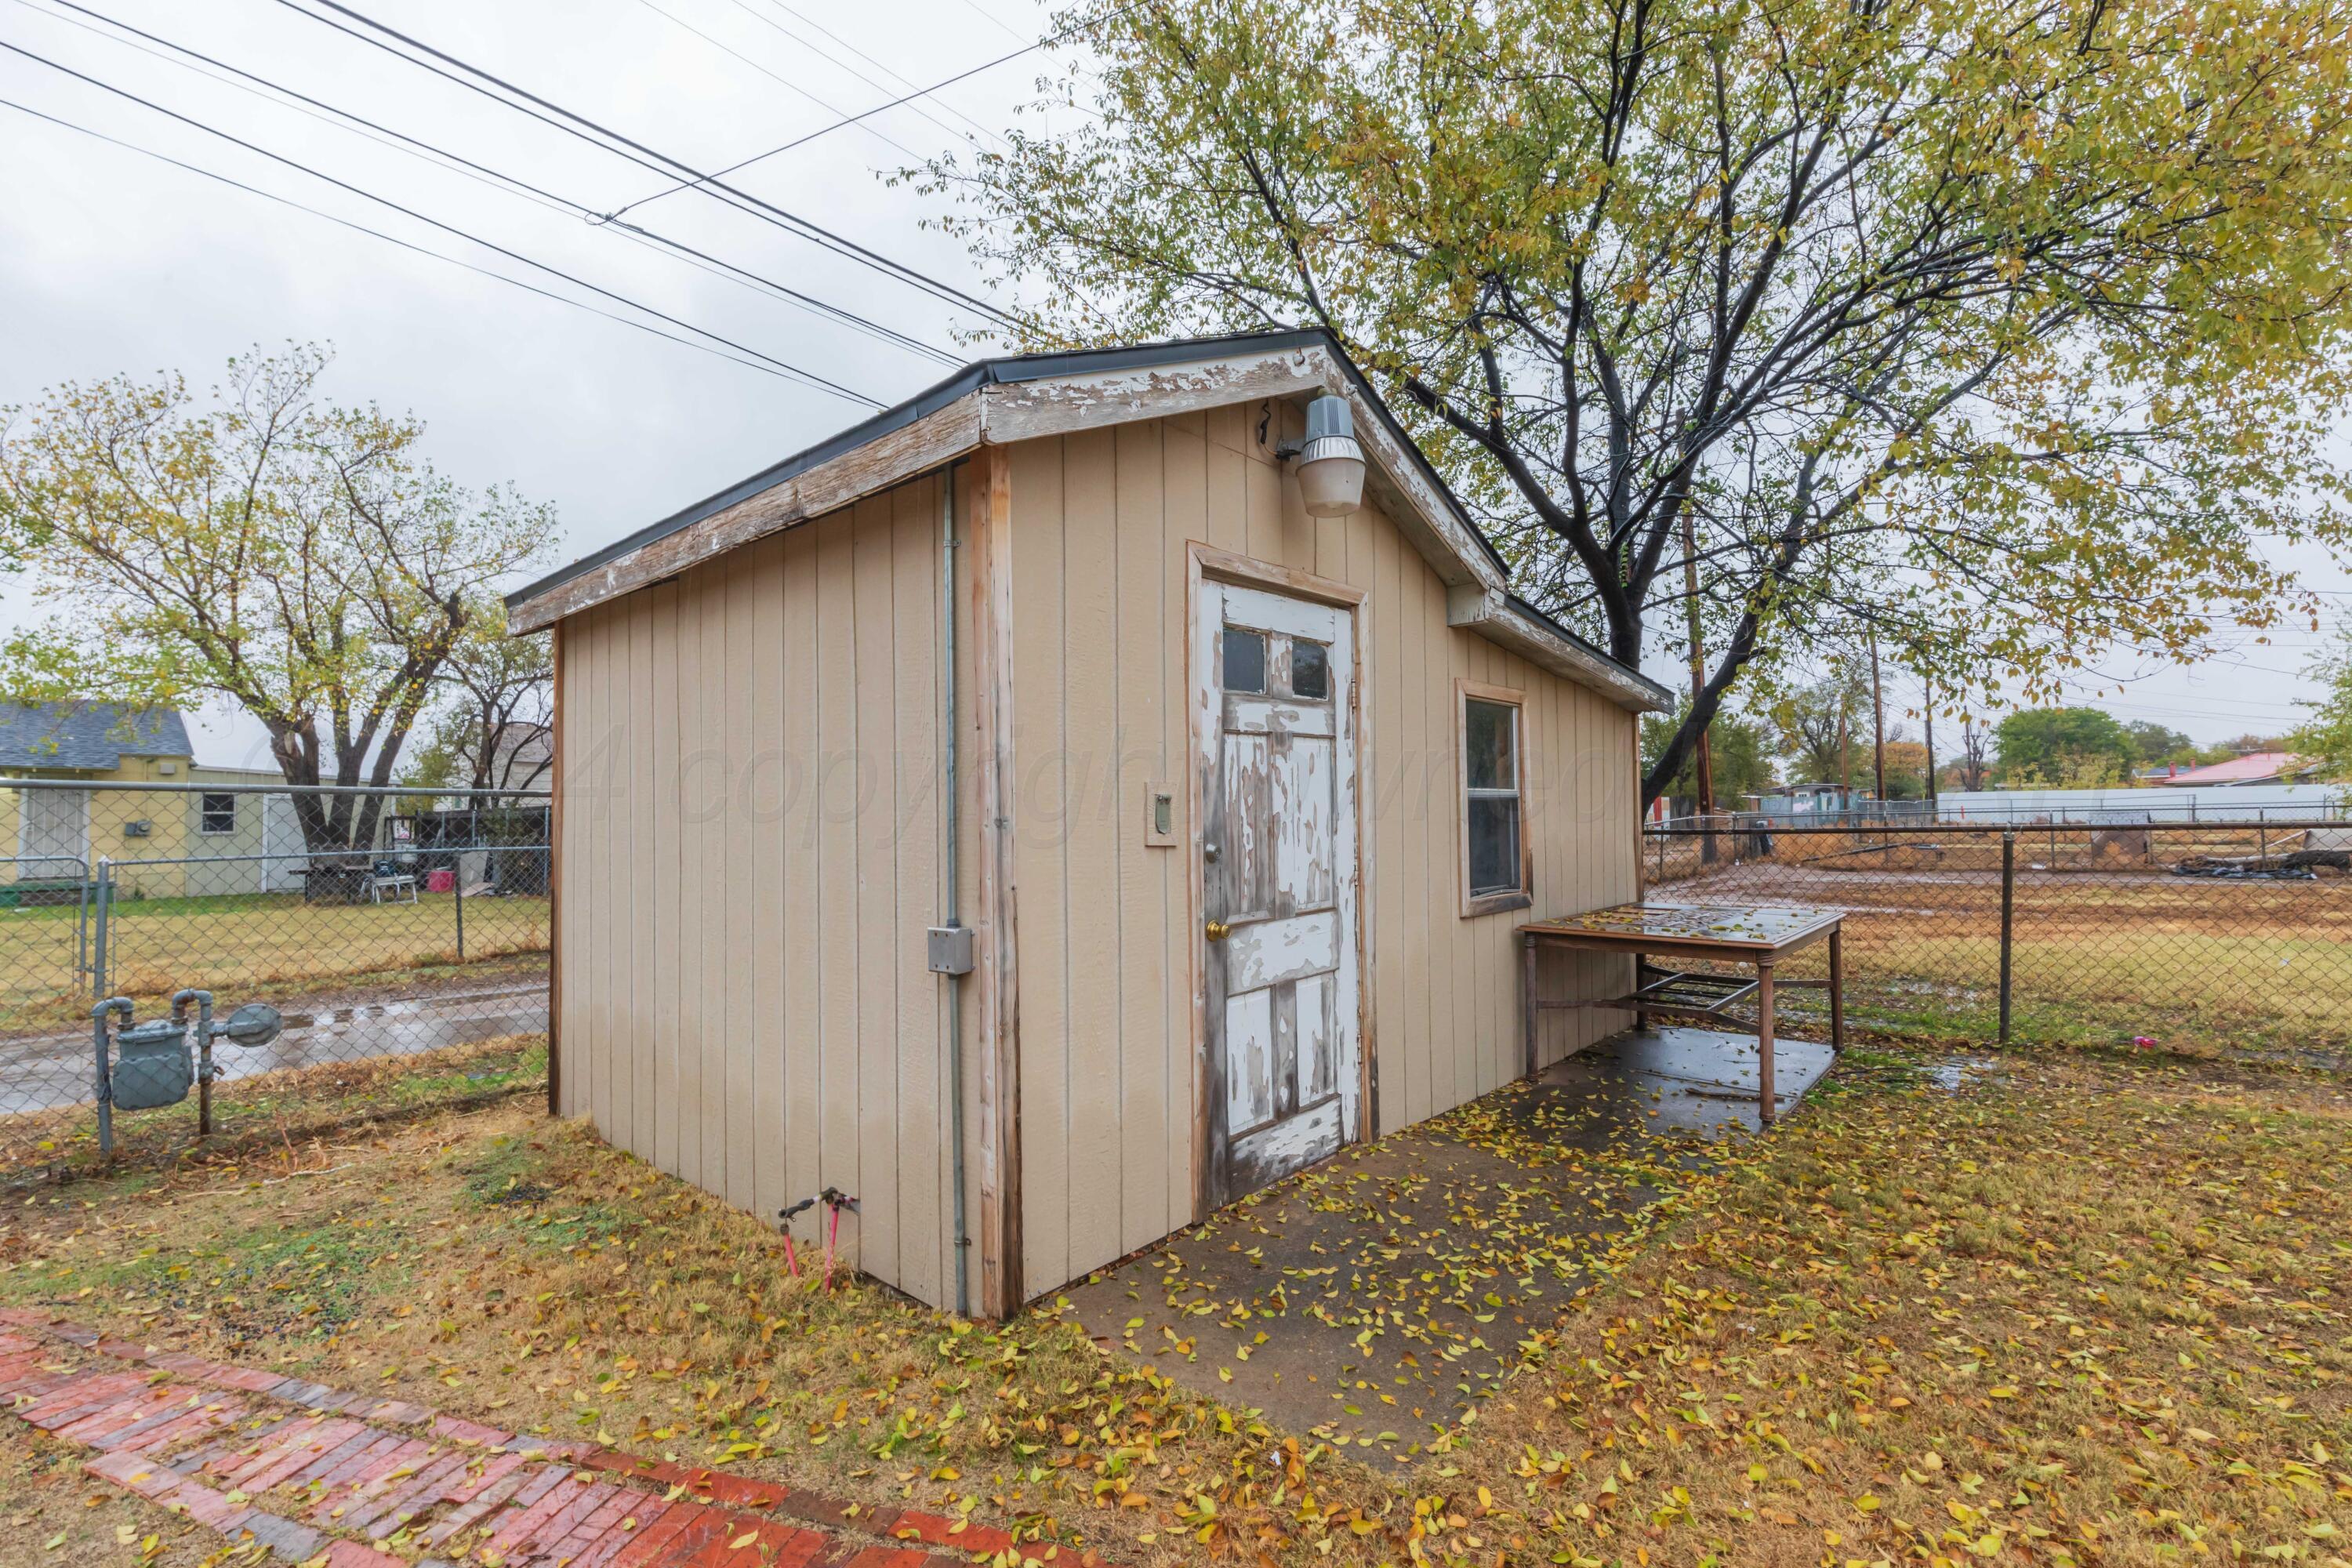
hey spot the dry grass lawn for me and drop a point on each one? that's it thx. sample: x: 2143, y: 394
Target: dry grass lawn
x: 2225, y: 969
x: 272, y: 946
x: 2087, y: 1310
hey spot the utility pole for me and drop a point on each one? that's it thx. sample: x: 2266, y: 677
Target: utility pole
x: 1877, y: 723
x: 1845, y: 753
x: 1705, y: 762
x: 1929, y: 721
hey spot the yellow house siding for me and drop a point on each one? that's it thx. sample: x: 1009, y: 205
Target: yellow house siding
x: 1100, y: 523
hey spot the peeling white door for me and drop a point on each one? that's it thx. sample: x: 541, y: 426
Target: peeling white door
x: 1272, y: 678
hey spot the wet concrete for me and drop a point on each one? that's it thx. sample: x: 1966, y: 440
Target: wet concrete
x: 1374, y: 1298
x: 53, y: 1072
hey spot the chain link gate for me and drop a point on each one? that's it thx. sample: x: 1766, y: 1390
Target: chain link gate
x: 412, y: 968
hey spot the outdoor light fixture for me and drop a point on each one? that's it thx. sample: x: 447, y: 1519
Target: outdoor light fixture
x: 1330, y: 462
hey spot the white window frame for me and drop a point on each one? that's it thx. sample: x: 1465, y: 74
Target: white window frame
x: 202, y: 811
x: 1523, y: 896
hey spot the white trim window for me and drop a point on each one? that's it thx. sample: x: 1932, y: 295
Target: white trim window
x: 1497, y: 869
x: 216, y: 813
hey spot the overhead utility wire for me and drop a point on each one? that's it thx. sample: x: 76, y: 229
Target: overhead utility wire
x: 400, y: 140
x: 791, y: 222
x: 723, y: 46
x: 391, y: 238
x: 839, y: 124
x: 838, y: 62
x: 810, y: 377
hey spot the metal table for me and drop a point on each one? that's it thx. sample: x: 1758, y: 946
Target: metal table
x: 1760, y: 935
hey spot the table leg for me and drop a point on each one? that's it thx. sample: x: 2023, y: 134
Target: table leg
x: 1837, y: 991
x: 1528, y: 1000
x: 1766, y: 1102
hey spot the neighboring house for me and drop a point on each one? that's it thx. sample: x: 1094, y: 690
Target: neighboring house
x: 55, y: 833
x: 1240, y: 808
x: 255, y: 837
x: 2253, y: 768
x: 163, y: 841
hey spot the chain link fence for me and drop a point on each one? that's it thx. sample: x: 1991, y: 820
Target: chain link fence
x: 2232, y: 937
x: 403, y: 935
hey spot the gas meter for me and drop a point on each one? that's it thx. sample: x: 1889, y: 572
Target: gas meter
x: 154, y: 1064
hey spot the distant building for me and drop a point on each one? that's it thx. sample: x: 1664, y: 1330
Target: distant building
x: 2253, y: 768
x: 55, y: 836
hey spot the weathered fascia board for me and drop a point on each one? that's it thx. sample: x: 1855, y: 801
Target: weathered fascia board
x: 1021, y: 411
x: 890, y: 458
x: 1492, y: 617
x: 1001, y: 412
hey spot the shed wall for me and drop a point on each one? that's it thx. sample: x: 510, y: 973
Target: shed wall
x: 752, y: 851
x: 750, y: 848
x: 1100, y: 522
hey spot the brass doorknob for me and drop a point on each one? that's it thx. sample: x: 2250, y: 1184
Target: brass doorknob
x: 1217, y: 931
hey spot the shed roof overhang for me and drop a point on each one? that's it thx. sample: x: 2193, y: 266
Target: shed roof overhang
x: 1024, y: 396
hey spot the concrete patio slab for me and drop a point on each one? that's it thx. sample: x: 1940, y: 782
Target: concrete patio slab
x: 1374, y: 1298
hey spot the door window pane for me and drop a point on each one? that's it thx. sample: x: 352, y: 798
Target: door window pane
x: 1488, y: 736
x: 1244, y: 661
x: 1310, y: 670
x: 1494, y: 845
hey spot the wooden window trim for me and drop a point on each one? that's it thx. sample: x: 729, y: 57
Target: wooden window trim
x: 1524, y: 896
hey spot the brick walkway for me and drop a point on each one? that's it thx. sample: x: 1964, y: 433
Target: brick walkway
x: 310, y: 1470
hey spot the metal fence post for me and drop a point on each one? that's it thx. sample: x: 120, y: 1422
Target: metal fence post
x: 458, y: 887
x: 98, y: 967
x: 2008, y: 921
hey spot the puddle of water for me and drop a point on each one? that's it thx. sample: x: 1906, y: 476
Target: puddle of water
x: 1959, y: 1073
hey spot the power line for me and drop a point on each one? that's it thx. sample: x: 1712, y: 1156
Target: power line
x: 810, y: 378
x: 390, y: 239
x: 400, y: 141
x: 768, y: 21
x: 727, y: 48
x: 839, y: 124
x: 630, y: 148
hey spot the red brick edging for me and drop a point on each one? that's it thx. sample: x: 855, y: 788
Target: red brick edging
x: 171, y: 1435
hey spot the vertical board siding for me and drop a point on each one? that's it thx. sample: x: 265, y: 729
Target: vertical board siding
x: 751, y: 849
x: 1100, y: 523
x: 751, y: 854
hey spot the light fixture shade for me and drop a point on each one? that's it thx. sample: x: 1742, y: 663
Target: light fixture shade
x: 1330, y: 462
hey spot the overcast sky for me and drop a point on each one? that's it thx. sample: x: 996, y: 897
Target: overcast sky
x: 111, y: 262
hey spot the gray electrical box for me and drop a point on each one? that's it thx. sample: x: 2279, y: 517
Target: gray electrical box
x: 951, y: 949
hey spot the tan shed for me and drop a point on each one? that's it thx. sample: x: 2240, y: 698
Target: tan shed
x: 1023, y: 784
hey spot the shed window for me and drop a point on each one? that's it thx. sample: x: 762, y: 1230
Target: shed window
x: 1495, y: 870
x: 216, y: 813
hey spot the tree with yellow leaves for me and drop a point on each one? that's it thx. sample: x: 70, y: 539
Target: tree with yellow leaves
x: 2008, y: 330
x: 300, y: 560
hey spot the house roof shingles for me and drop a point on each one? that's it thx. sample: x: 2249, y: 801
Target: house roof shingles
x: 93, y: 735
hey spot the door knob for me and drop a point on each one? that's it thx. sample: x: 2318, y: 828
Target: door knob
x: 1217, y: 931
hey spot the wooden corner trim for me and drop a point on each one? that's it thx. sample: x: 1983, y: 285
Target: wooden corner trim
x: 1000, y: 1287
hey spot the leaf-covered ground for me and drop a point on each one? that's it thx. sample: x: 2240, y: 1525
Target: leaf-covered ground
x: 2079, y: 1310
